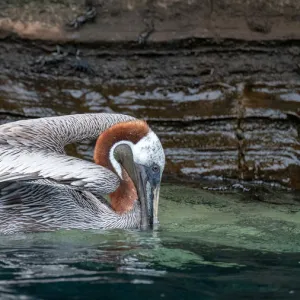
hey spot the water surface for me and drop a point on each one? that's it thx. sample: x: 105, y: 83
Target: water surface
x: 208, y: 246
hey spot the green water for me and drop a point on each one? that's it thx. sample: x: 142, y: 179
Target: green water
x: 209, y: 246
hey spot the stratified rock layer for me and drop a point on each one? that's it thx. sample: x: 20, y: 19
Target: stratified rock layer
x: 218, y: 79
x: 213, y: 131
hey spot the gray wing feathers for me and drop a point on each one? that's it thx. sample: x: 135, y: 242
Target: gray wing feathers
x: 54, y: 133
x: 37, y: 206
x: 28, y: 206
x: 33, y: 149
x: 36, y: 177
x: 25, y: 164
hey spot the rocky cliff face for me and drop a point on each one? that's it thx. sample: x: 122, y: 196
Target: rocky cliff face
x: 218, y: 80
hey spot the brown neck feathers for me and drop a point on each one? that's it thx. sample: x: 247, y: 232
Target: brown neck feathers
x: 122, y: 200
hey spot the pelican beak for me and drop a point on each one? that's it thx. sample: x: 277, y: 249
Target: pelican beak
x: 147, y: 184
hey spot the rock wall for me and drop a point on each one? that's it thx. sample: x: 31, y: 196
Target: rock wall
x: 124, y: 20
x: 218, y: 80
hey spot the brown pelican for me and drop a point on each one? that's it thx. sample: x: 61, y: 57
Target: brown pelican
x: 42, y: 188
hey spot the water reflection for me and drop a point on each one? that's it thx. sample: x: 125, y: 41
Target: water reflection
x: 119, y: 264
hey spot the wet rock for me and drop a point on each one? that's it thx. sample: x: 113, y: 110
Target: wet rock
x: 124, y: 20
x: 215, y: 79
x: 241, y: 132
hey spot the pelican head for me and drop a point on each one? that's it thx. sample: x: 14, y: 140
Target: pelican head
x: 134, y: 152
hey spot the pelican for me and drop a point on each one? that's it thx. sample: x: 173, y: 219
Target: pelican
x: 44, y: 189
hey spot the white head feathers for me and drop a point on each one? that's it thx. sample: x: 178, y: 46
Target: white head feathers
x: 146, y: 152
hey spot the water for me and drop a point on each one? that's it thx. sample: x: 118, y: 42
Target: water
x: 126, y: 264
x: 206, y: 248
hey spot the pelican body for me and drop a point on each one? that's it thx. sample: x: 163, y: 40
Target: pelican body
x: 43, y: 189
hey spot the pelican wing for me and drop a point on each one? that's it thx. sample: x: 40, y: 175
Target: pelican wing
x: 28, y: 206
x: 22, y: 163
x: 54, y: 133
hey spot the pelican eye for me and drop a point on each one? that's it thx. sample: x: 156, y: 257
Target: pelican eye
x: 155, y: 169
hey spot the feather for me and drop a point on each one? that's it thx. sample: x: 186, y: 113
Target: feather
x: 41, y: 205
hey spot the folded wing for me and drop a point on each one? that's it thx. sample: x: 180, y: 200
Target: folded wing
x: 43, y: 205
x: 21, y: 163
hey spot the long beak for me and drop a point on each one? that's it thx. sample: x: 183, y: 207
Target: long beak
x: 148, y: 193
x: 155, y: 201
x: 147, y: 186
